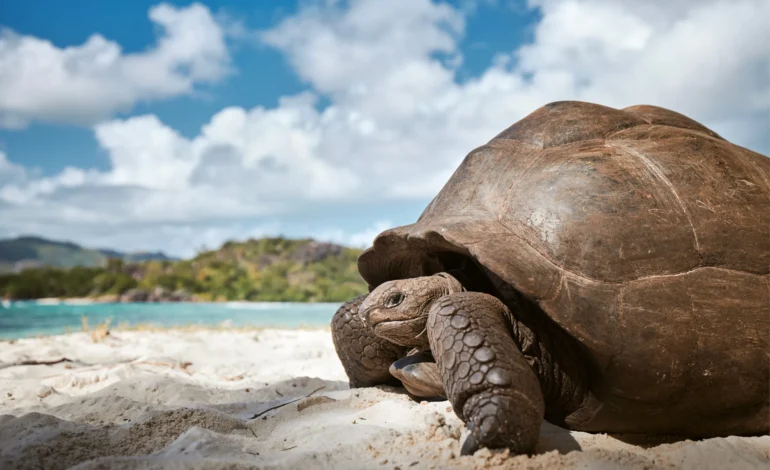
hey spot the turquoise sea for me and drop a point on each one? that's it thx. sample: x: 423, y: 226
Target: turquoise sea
x: 30, y: 318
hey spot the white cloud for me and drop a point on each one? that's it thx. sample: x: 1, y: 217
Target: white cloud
x: 398, y: 122
x: 359, y: 239
x: 183, y: 240
x: 370, y: 47
x: 83, y: 84
x: 9, y: 172
x: 708, y: 59
x: 144, y: 152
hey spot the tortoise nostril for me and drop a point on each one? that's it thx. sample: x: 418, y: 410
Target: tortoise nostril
x: 366, y: 314
x: 363, y: 310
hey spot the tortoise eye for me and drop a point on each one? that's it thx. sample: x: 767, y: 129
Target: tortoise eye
x: 394, y: 300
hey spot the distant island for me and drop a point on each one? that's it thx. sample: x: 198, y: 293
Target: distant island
x: 266, y: 269
x: 17, y: 254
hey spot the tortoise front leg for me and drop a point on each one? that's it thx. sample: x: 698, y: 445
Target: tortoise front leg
x: 365, y: 357
x: 491, y: 386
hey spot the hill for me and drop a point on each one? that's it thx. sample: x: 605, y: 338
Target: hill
x: 17, y: 254
x: 137, y: 256
x: 267, y: 269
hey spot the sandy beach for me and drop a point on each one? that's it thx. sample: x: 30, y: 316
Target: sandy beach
x: 216, y: 399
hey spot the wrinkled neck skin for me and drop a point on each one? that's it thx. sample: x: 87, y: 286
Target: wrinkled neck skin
x: 555, y: 356
x: 557, y: 365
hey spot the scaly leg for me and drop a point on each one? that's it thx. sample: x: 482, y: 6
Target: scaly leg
x: 365, y: 357
x: 491, y: 386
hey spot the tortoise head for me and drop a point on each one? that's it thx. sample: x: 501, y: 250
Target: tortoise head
x: 398, y: 310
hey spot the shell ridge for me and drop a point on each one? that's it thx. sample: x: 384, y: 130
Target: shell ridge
x: 583, y: 277
x: 658, y: 172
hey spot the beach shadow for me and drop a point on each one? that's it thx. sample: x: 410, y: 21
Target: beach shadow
x: 647, y: 441
x: 552, y: 437
x: 556, y: 438
x: 403, y: 390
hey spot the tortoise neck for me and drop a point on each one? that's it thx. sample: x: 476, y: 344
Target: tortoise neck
x: 557, y: 361
x: 555, y: 356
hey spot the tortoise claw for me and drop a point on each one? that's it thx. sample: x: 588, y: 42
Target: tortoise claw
x: 470, y: 446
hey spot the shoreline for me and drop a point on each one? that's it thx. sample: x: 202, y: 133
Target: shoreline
x: 103, y: 330
x: 98, y: 300
x: 30, y: 319
x: 116, y: 300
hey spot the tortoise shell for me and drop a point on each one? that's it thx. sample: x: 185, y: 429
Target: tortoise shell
x: 640, y: 232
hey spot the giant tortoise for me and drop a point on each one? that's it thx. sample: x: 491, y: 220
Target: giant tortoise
x: 604, y: 269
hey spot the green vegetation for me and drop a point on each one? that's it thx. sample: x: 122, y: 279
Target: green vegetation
x: 268, y: 269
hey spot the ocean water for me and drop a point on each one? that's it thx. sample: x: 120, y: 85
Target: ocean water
x: 30, y: 318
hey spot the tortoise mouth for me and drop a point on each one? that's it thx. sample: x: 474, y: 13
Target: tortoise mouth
x: 379, y: 316
x: 402, y: 332
x: 386, y: 326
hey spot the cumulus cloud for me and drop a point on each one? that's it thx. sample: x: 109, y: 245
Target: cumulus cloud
x: 86, y: 83
x: 397, y: 121
x: 706, y: 59
x: 9, y: 172
x: 358, y: 239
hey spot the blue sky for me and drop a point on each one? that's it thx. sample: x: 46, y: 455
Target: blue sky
x: 143, y: 125
x: 50, y: 147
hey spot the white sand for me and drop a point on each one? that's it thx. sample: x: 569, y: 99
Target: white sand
x: 184, y: 400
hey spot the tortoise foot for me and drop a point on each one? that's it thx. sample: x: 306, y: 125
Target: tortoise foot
x: 419, y: 374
